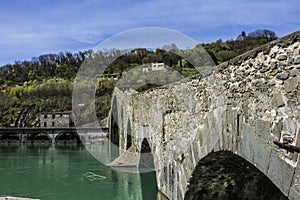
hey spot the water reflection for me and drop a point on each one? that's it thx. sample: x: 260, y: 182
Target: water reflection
x: 149, y: 186
x: 56, y: 172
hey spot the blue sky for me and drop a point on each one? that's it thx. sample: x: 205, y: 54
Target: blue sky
x: 30, y: 28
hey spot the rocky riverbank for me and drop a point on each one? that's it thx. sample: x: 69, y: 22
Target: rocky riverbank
x: 15, y: 198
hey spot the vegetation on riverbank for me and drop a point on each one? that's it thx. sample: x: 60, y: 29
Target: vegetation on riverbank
x: 45, y: 83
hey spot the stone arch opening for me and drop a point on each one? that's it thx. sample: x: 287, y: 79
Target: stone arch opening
x: 114, y: 127
x: 146, y: 164
x: 129, y: 138
x: 67, y: 138
x: 146, y: 157
x: 10, y: 138
x: 39, y: 138
x: 224, y: 175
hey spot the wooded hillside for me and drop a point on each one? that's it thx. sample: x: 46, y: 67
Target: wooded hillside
x: 45, y: 83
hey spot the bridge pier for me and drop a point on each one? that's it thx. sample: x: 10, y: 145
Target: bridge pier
x: 23, y: 138
x: 52, y: 137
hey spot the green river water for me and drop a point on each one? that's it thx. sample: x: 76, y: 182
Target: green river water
x: 67, y: 173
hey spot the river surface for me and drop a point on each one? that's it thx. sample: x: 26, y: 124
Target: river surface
x: 67, y: 173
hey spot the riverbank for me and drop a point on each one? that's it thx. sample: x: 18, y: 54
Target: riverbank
x: 15, y: 198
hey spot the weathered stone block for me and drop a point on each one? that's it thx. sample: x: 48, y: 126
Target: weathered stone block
x: 293, y: 72
x: 280, y: 172
x: 297, y: 60
x: 283, y: 75
x: 282, y: 57
x: 276, y: 131
x: 246, y: 142
x: 196, y: 148
x: 289, y: 126
x: 291, y: 84
x: 262, y: 129
x: 298, y: 96
x: 246, y: 96
x: 295, y: 187
x: 273, y: 65
x: 264, y: 69
x: 261, y: 154
x: 294, y: 194
x: 278, y: 100
x: 274, y: 72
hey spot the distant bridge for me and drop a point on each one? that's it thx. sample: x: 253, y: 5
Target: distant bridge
x: 50, y: 134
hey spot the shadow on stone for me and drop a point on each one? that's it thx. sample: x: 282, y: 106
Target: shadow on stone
x: 224, y: 175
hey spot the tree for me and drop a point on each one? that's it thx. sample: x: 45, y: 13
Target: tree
x: 265, y: 33
x: 269, y: 35
x: 242, y: 36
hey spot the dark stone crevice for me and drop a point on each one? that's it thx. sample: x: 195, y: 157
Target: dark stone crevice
x: 129, y: 138
x: 114, y: 135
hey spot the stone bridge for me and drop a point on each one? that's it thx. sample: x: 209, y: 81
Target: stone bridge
x: 241, y: 106
x: 50, y: 134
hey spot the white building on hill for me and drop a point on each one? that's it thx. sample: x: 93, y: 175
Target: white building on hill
x: 158, y: 67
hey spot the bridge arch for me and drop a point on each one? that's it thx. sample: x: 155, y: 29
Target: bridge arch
x: 146, y: 161
x: 10, y: 138
x: 67, y: 137
x: 41, y: 137
x: 225, y: 175
x: 146, y: 164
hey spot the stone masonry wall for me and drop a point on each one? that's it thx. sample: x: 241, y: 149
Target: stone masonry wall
x: 242, y: 105
x: 55, y: 119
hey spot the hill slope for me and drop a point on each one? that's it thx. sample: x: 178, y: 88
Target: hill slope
x: 45, y: 83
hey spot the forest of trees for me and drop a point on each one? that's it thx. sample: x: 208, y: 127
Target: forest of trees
x: 46, y: 82
x: 222, y: 51
x: 62, y: 65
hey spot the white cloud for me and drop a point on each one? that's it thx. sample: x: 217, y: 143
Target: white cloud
x: 72, y: 24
